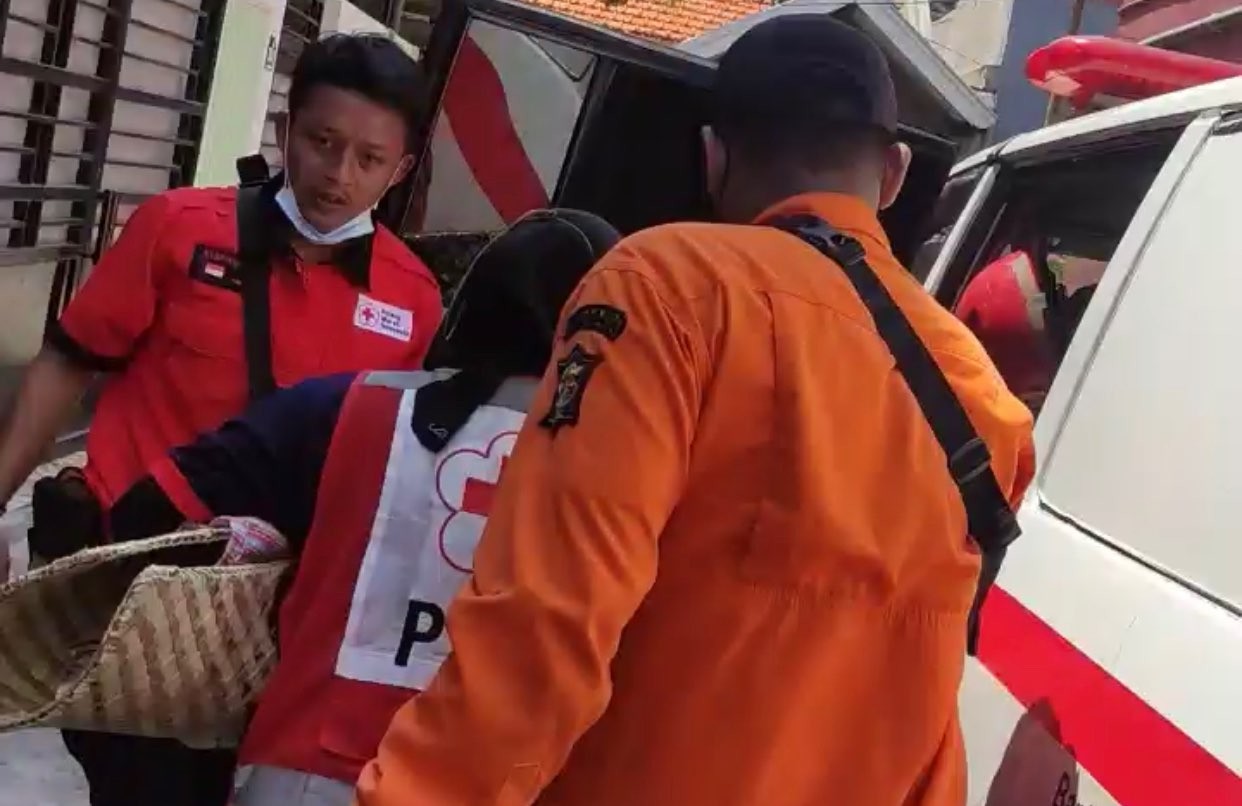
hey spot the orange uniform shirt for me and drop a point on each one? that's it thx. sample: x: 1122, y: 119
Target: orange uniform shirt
x: 742, y: 575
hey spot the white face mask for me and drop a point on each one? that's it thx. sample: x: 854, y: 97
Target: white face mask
x: 357, y: 227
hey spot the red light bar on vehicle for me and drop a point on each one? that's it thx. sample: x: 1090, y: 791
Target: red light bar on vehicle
x: 1081, y: 68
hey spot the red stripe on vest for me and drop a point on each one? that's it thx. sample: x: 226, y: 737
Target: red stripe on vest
x: 1138, y: 756
x: 478, y: 111
x: 307, y: 718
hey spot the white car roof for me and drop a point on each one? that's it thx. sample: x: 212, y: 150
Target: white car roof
x: 1168, y: 108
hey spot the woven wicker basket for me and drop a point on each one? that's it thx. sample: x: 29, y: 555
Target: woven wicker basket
x: 147, y: 638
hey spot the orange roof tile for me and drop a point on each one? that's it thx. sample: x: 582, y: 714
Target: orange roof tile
x: 662, y: 20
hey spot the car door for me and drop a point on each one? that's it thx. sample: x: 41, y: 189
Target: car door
x: 1112, y: 634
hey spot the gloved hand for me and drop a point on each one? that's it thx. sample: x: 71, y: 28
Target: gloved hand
x: 65, y: 515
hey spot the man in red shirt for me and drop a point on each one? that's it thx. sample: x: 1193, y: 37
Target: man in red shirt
x: 1004, y: 306
x: 162, y: 315
x: 1024, y: 328
x: 381, y: 483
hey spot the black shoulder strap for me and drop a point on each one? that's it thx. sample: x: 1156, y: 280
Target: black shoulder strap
x: 255, y: 290
x: 990, y: 519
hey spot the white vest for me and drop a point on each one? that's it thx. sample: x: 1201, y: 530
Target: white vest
x: 431, y: 514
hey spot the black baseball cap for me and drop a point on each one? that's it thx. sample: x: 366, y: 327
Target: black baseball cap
x: 516, y: 286
x: 808, y: 68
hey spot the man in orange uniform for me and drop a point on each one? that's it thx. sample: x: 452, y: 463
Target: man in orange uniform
x: 728, y: 564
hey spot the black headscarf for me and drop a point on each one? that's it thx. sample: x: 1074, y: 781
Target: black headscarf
x: 502, y: 320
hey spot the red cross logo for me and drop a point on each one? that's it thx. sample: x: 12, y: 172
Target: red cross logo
x: 465, y: 491
x: 479, y: 493
x: 368, y: 315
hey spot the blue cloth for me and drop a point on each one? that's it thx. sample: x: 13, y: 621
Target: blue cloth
x: 267, y: 462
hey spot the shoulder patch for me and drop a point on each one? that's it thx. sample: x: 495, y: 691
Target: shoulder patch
x: 606, y: 320
x: 572, y: 374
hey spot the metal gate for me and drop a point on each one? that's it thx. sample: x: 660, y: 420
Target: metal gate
x: 98, y: 95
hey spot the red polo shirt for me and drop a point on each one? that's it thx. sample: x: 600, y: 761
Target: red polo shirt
x: 162, y: 311
x: 1004, y: 306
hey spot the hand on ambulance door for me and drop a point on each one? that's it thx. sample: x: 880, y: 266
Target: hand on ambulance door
x: 567, y: 557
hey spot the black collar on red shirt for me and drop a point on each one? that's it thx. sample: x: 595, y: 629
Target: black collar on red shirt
x: 352, y: 258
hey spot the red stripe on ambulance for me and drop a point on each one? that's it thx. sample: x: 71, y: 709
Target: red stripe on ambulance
x: 1138, y: 756
x: 487, y: 137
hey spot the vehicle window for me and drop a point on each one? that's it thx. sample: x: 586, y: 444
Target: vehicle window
x: 1048, y: 248
x: 957, y: 192
x: 1149, y: 454
x: 504, y: 126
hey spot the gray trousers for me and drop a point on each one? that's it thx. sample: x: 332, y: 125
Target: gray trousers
x: 271, y: 786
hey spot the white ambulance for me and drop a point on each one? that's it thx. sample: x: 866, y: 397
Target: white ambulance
x: 1110, y: 667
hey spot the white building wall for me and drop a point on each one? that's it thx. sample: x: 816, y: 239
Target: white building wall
x: 972, y: 39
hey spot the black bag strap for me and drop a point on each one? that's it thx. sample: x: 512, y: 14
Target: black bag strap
x: 256, y: 270
x: 990, y: 520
